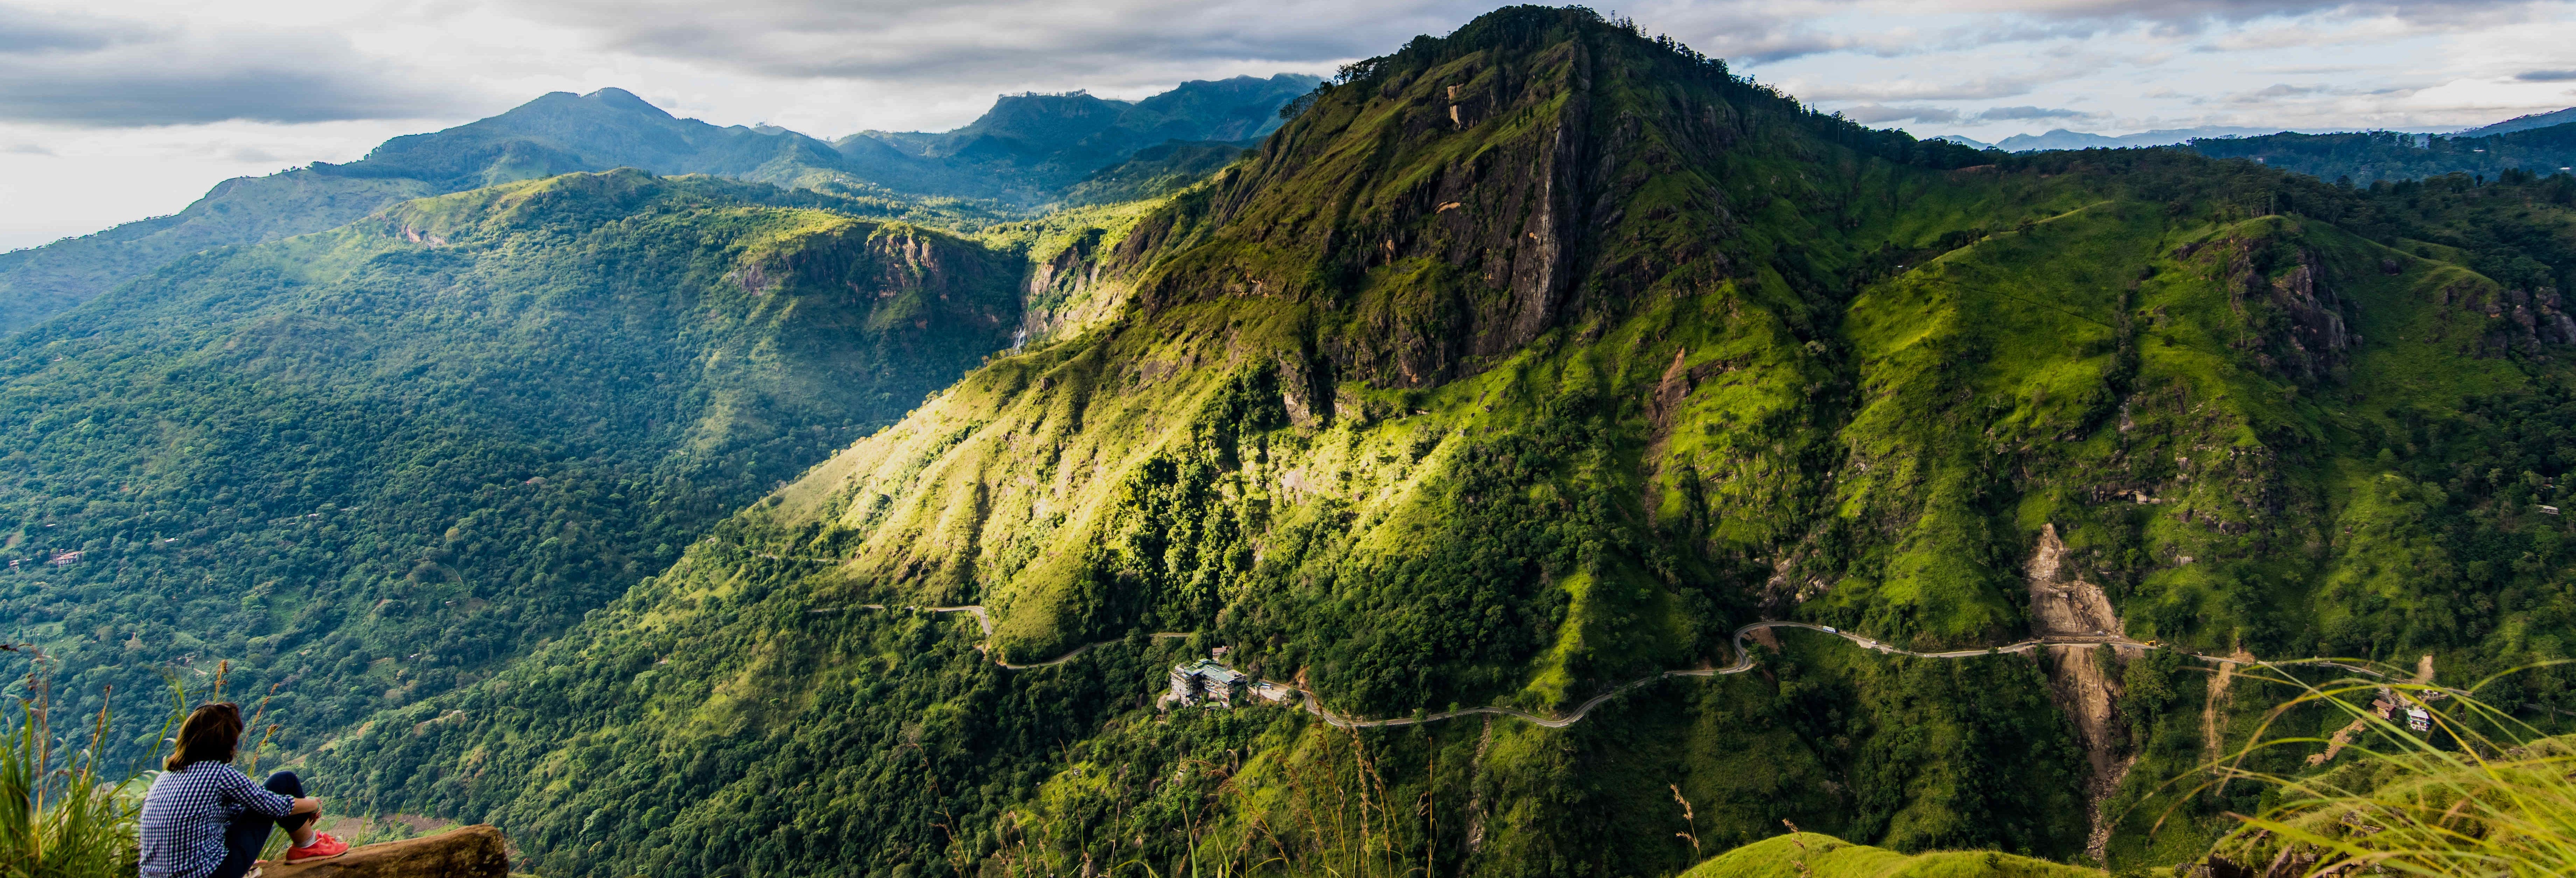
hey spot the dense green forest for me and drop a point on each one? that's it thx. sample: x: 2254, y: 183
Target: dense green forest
x: 370, y: 465
x: 1534, y: 359
x: 2364, y: 158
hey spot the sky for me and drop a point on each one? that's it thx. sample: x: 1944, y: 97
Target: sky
x: 116, y: 110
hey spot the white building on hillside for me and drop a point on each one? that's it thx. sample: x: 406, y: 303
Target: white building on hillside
x: 1205, y: 680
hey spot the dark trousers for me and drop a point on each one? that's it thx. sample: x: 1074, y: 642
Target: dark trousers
x: 249, y: 832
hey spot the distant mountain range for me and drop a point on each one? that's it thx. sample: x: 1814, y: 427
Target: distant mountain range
x: 2061, y: 138
x: 1027, y: 151
x: 2539, y: 144
x: 1029, y: 146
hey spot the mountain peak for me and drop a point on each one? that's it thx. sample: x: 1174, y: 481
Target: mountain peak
x: 1538, y: 167
x: 625, y: 100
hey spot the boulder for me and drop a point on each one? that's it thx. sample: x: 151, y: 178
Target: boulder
x: 466, y: 852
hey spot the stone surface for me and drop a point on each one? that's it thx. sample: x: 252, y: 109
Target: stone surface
x: 467, y: 852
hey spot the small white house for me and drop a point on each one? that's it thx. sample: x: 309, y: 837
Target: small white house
x: 2419, y: 719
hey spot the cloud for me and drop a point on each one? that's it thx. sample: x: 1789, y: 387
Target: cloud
x: 2008, y: 114
x: 2546, y: 76
x: 25, y: 31
x: 1879, y: 114
x: 2276, y: 91
x: 1910, y: 89
x: 2195, y: 15
x: 25, y: 149
x: 905, y: 41
x: 92, y: 72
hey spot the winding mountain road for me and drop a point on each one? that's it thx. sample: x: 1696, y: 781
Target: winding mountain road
x: 1743, y: 662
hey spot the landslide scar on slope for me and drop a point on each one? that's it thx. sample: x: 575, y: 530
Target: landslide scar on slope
x: 2064, y: 604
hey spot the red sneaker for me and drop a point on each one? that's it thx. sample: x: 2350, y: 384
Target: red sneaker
x: 323, y: 846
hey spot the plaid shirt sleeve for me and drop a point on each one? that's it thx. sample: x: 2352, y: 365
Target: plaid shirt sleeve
x: 238, y: 787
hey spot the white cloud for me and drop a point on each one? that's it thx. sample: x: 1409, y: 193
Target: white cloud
x: 1880, y: 114
x: 1915, y: 89
x: 77, y: 69
x: 996, y: 40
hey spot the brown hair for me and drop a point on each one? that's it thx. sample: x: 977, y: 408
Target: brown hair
x: 210, y: 734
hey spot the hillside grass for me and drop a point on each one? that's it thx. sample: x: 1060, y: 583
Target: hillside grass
x: 1810, y: 855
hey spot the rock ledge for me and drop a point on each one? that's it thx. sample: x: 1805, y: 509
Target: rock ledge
x: 467, y: 852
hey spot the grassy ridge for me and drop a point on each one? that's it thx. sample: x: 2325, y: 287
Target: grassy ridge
x: 1809, y: 855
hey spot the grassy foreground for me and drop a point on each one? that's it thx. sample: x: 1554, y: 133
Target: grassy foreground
x: 1815, y: 855
x: 2473, y: 794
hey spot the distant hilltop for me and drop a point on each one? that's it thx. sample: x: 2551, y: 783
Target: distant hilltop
x: 2523, y: 123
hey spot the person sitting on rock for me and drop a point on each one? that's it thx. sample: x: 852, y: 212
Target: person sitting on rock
x: 203, y: 818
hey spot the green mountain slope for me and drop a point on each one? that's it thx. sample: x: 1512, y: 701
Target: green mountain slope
x: 370, y: 464
x: 1156, y: 171
x: 1526, y: 364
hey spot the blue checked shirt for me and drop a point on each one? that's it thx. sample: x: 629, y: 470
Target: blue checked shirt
x: 187, y: 811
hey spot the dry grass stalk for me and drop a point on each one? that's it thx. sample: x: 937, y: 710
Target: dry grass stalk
x: 2479, y: 794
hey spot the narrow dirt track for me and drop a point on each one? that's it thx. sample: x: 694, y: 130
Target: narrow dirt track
x: 1743, y: 662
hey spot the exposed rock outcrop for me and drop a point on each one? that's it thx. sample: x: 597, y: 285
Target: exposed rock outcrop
x: 2062, y: 602
x: 2312, y: 340
x: 2517, y: 319
x: 470, y: 852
